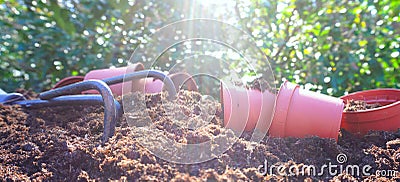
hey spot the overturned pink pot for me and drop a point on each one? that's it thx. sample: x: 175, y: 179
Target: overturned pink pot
x: 301, y: 113
x: 180, y: 79
x: 183, y: 80
x: 384, y: 118
x: 247, y: 109
x: 147, y: 85
x: 134, y: 85
x: 68, y: 81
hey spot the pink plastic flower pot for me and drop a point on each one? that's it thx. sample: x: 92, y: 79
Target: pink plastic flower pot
x: 147, y: 85
x: 134, y: 85
x: 183, y: 80
x: 301, y: 113
x: 68, y: 81
x: 245, y: 110
x: 153, y: 85
x: 385, y: 118
x: 180, y: 79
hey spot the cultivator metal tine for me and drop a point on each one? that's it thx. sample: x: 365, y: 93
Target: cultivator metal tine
x: 110, y: 108
x: 144, y: 74
x: 10, y: 98
x: 62, y: 101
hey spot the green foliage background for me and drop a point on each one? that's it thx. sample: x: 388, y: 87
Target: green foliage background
x: 334, y: 46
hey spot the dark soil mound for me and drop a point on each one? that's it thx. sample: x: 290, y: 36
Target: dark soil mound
x: 63, y: 143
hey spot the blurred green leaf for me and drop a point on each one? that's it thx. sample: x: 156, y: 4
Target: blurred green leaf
x: 304, y: 40
x: 61, y: 16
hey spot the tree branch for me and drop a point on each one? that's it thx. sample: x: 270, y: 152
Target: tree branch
x: 287, y: 34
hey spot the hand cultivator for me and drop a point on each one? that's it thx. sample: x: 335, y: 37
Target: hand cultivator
x: 66, y: 95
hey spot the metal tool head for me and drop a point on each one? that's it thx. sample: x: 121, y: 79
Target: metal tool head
x: 11, y: 98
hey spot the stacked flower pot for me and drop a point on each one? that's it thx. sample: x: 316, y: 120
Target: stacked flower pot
x: 295, y: 112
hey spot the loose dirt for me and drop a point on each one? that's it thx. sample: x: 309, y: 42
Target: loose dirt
x: 63, y: 143
x: 359, y: 105
x: 258, y: 84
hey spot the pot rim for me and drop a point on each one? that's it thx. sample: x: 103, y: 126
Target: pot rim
x: 373, y: 109
x: 283, y: 108
x: 281, y: 111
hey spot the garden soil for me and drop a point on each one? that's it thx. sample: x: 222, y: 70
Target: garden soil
x: 64, y: 143
x: 359, y: 105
